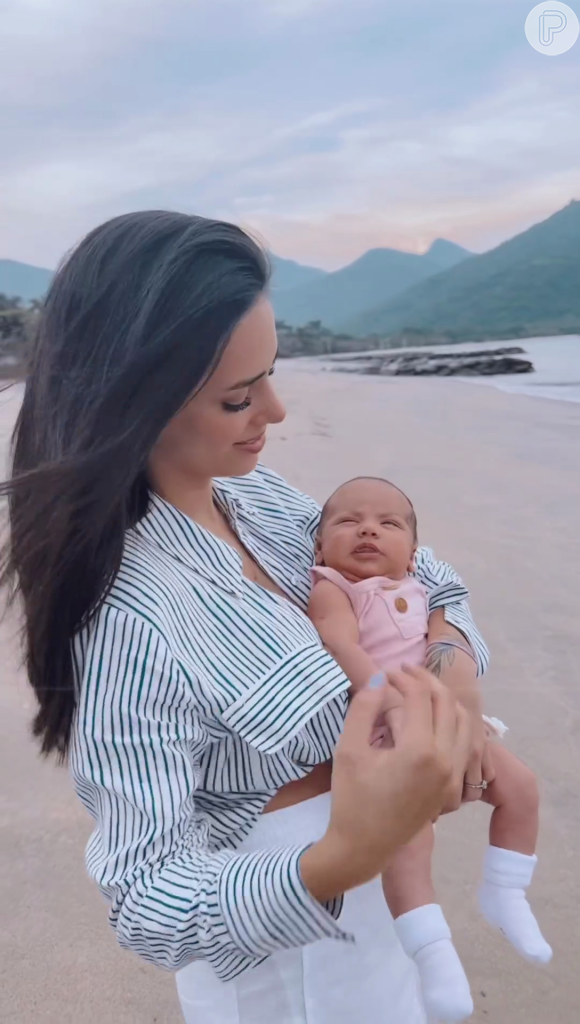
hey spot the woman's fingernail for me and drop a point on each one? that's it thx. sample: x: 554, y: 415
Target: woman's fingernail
x: 376, y: 681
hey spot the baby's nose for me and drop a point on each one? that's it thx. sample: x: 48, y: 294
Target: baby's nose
x: 367, y: 528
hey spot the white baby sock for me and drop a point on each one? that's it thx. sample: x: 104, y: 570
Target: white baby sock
x: 425, y: 936
x: 502, y: 899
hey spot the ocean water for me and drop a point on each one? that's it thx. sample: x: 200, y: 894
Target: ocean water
x: 556, y: 363
x: 556, y: 369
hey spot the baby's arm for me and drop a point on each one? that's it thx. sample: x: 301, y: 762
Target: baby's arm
x: 331, y: 612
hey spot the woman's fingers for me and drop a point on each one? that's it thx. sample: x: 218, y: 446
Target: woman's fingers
x: 488, y: 771
x: 429, y: 704
x: 416, y: 693
x: 365, y: 708
x: 460, y: 754
x: 382, y: 797
x: 462, y: 746
x: 475, y: 772
x: 450, y: 723
x: 434, y: 714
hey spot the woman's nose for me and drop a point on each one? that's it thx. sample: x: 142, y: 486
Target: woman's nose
x: 275, y: 409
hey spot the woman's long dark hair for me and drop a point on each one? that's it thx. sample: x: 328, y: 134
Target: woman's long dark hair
x: 134, y: 323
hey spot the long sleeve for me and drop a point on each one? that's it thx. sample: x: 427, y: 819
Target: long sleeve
x: 446, y: 590
x: 138, y: 740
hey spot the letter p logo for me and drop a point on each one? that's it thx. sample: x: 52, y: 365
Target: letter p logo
x: 552, y: 28
x: 551, y: 22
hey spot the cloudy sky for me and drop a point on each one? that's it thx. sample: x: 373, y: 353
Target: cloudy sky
x: 328, y: 126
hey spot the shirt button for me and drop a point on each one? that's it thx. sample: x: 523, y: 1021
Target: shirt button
x: 294, y: 579
x: 401, y: 605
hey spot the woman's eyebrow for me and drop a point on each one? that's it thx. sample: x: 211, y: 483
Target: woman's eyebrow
x: 247, y: 383
x: 253, y: 380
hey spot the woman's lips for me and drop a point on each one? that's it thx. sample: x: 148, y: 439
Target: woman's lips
x: 254, y: 445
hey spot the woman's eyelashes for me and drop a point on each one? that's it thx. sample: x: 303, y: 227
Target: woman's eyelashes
x: 240, y: 406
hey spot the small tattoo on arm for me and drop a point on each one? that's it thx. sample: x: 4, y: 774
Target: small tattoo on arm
x: 439, y: 657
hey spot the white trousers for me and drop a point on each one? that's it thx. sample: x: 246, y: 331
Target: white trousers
x: 328, y: 982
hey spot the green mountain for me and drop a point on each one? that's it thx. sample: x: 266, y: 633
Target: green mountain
x: 30, y: 282
x: 288, y: 274
x: 528, y: 285
x: 446, y: 254
x: 23, y: 280
x: 375, y: 277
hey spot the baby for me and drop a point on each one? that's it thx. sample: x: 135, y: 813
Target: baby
x: 372, y: 615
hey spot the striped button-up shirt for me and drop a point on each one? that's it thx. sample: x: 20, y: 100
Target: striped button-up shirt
x: 201, y: 693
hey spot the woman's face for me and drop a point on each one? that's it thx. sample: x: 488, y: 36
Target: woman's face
x: 222, y: 430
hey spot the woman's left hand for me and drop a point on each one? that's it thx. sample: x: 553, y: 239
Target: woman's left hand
x: 480, y: 767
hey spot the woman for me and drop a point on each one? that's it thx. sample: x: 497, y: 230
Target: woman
x: 164, y: 579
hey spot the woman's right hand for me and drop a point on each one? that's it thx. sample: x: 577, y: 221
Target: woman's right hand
x: 382, y: 797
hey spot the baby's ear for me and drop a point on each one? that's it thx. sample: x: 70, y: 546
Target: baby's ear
x: 318, y: 552
x: 412, y: 567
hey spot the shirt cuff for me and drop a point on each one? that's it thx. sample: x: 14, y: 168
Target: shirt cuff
x: 459, y: 616
x: 266, y: 906
x: 446, y: 593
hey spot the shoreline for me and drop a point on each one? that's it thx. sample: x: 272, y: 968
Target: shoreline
x: 497, y: 491
x: 556, y: 363
x: 527, y: 391
x: 491, y: 383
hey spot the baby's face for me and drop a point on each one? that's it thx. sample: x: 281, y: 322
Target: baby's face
x: 368, y: 531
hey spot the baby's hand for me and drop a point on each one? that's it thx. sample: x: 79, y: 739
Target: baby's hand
x: 381, y: 734
x: 387, y: 728
x: 390, y: 722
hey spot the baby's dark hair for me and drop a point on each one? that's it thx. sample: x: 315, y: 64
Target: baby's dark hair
x: 411, y: 517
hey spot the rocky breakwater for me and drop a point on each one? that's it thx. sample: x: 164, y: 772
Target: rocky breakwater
x: 482, y: 363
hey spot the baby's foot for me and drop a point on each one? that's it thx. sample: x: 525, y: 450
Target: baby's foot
x: 425, y: 936
x: 503, y: 903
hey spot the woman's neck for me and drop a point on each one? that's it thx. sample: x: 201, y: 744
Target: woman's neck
x: 193, y: 497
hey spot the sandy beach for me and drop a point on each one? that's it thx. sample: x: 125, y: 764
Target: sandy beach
x: 496, y: 483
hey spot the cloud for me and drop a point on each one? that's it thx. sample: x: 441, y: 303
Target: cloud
x: 475, y: 175
x: 328, y: 126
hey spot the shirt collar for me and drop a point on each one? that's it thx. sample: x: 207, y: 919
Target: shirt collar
x: 191, y: 544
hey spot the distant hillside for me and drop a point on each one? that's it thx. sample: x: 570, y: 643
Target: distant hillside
x: 528, y: 285
x: 446, y: 254
x: 23, y: 280
x: 289, y: 274
x: 375, y: 277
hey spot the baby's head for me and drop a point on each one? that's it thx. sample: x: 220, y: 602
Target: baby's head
x: 368, y: 528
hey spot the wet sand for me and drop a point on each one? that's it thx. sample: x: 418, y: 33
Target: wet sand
x: 495, y: 479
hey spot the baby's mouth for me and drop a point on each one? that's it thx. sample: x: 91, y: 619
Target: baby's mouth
x: 367, y: 549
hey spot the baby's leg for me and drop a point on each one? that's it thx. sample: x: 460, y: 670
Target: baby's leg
x: 423, y: 931
x: 510, y: 858
x: 514, y: 796
x: 407, y: 882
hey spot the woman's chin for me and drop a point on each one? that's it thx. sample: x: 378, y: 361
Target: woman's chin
x: 242, y: 463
